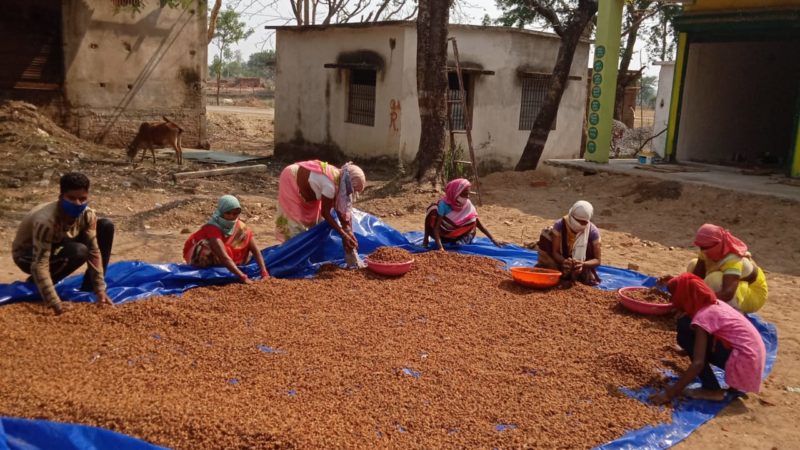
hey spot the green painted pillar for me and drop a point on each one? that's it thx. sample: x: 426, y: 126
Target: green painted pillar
x: 604, y: 80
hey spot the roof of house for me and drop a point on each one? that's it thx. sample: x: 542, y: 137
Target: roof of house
x: 411, y: 23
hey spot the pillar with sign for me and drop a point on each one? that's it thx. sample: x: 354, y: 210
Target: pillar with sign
x: 604, y: 80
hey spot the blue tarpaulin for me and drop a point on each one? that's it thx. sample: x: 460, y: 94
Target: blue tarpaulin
x: 301, y: 257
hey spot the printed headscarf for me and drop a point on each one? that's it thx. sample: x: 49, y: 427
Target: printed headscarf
x: 351, y: 181
x: 690, y: 293
x: 226, y: 203
x: 357, y: 177
x: 452, y: 193
x: 717, y: 242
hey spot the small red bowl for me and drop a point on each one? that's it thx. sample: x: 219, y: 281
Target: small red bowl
x: 389, y: 269
x: 638, y: 306
x: 535, y: 277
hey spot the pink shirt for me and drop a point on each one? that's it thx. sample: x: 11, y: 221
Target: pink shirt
x: 745, y: 366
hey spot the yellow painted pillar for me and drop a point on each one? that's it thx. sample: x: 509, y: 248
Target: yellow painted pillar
x: 796, y: 159
x: 675, y: 101
x: 604, y: 80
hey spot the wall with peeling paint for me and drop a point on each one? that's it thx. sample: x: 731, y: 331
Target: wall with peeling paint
x: 311, y: 101
x: 123, y: 68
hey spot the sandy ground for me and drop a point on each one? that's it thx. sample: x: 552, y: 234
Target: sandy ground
x: 645, y: 223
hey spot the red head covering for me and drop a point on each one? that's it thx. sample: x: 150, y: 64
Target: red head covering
x: 717, y: 242
x: 690, y: 293
x: 453, y: 190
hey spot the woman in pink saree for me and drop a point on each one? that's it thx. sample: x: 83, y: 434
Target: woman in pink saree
x: 307, y: 193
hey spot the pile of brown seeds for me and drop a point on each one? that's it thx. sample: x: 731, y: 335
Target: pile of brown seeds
x: 649, y: 296
x: 390, y: 255
x: 452, y: 355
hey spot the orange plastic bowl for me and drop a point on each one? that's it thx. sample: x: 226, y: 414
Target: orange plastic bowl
x: 638, y: 306
x: 535, y: 277
x: 390, y: 269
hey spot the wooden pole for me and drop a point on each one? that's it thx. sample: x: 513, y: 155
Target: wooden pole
x: 217, y: 172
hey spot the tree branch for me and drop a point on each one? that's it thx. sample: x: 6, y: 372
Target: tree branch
x: 548, y: 14
x: 212, y: 20
x: 638, y: 21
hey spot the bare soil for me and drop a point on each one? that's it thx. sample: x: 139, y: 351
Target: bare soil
x: 640, y: 226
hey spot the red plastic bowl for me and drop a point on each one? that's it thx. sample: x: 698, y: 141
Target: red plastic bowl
x: 535, y: 277
x: 389, y: 269
x: 650, y: 309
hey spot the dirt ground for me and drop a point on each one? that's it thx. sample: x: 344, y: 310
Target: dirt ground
x: 645, y: 223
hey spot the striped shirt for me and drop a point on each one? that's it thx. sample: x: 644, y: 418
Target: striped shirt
x: 41, y: 230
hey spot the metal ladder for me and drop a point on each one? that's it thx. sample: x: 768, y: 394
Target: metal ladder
x: 467, y: 125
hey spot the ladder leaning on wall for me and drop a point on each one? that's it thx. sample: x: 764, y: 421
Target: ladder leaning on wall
x: 462, y: 100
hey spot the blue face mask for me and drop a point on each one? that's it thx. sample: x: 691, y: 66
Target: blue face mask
x: 71, y: 209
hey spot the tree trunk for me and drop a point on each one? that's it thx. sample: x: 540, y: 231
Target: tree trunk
x: 212, y: 21
x: 431, y: 85
x: 623, y: 80
x: 219, y: 70
x: 570, y: 38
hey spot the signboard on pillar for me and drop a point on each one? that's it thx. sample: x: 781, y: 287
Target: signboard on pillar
x: 604, y: 80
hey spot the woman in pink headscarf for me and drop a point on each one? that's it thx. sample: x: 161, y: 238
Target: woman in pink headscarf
x: 454, y: 219
x: 712, y: 333
x: 728, y: 268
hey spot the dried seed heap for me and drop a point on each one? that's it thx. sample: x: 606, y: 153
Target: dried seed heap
x: 453, y: 355
x: 649, y: 296
x: 390, y: 255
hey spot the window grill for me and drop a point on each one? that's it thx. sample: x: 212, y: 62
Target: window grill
x: 361, y: 97
x: 534, y: 91
x: 453, y: 95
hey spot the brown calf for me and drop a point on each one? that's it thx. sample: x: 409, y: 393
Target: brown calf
x: 153, y: 135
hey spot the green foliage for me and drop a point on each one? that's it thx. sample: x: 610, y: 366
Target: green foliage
x: 452, y: 168
x: 136, y: 6
x: 647, y: 91
x: 259, y: 64
x: 230, y: 30
x: 519, y: 13
x: 661, y: 38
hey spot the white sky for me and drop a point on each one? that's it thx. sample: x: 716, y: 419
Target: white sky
x: 259, y: 13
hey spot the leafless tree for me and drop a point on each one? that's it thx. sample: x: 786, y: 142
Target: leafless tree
x: 325, y: 12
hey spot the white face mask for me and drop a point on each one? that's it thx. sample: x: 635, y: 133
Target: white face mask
x: 461, y: 201
x: 574, y: 225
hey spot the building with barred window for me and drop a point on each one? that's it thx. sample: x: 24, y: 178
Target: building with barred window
x: 350, y: 90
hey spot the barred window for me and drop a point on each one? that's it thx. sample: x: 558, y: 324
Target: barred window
x: 534, y: 91
x: 454, y: 94
x: 361, y: 97
x: 124, y: 3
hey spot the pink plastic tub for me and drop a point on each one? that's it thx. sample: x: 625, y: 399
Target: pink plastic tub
x: 389, y: 269
x: 638, y: 306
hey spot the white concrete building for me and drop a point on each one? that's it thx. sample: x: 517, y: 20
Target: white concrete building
x: 663, y: 97
x: 352, y: 87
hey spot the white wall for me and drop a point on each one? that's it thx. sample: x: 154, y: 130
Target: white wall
x: 311, y: 101
x: 497, y: 98
x: 123, y: 68
x: 663, y: 97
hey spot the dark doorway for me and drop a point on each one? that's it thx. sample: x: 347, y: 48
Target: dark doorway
x: 30, y: 48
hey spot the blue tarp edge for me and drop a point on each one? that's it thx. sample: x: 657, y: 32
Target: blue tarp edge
x: 301, y: 257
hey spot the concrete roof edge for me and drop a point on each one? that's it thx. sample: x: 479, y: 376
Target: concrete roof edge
x: 408, y: 23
